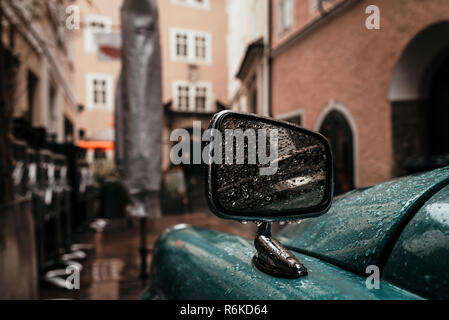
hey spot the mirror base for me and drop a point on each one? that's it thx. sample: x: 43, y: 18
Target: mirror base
x: 273, y: 258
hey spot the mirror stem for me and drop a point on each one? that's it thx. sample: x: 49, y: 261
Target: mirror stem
x: 273, y: 258
x: 264, y: 229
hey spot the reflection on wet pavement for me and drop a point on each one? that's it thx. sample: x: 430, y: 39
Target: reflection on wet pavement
x: 111, y: 270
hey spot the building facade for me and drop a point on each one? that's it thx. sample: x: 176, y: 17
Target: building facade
x: 248, y: 55
x: 34, y: 33
x: 376, y: 93
x: 194, y: 79
x: 97, y: 67
x: 194, y: 63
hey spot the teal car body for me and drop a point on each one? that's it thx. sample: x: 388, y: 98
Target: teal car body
x: 401, y: 226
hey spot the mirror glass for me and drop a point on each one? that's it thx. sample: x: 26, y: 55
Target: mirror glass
x: 270, y: 169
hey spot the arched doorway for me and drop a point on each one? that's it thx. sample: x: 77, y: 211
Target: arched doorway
x: 337, y: 130
x: 438, y: 113
x: 419, y: 96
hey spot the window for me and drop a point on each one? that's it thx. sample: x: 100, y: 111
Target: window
x: 182, y: 45
x: 95, y: 25
x: 313, y: 6
x: 99, y: 91
x: 99, y: 87
x: 200, y: 99
x: 183, y: 98
x: 200, y: 47
x: 192, y: 97
x: 285, y: 15
x: 190, y: 45
x: 202, y: 4
x: 320, y: 5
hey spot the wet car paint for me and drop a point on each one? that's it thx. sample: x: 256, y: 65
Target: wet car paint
x: 362, y: 226
x: 194, y: 263
x: 360, y: 230
x: 420, y: 258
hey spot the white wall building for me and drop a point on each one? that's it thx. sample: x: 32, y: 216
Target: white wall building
x: 248, y: 52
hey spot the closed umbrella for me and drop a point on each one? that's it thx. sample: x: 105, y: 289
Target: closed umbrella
x: 138, y: 115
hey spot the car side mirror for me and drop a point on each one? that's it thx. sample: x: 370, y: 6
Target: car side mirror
x: 264, y: 170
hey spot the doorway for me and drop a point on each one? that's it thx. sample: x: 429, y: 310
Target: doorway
x: 419, y: 96
x: 337, y: 130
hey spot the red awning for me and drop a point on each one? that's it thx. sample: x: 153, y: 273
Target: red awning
x: 112, y: 52
x: 94, y: 145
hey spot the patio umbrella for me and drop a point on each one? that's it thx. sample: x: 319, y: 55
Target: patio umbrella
x: 138, y: 114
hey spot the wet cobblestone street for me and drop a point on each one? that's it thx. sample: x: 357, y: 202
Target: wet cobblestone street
x: 112, y: 270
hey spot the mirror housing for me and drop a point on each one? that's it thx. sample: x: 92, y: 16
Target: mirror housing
x: 295, y: 181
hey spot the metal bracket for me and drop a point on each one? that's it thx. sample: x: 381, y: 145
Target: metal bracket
x: 273, y: 258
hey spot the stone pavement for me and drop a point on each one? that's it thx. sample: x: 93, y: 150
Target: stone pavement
x: 111, y: 271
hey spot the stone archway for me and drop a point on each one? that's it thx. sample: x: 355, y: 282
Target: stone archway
x: 419, y: 96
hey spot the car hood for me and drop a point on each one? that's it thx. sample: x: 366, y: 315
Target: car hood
x: 193, y: 263
x: 363, y: 226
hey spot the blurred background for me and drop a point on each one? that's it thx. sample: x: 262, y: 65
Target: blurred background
x: 374, y: 81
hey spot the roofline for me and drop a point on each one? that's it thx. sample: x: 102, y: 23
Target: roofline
x: 312, y: 26
x: 257, y: 44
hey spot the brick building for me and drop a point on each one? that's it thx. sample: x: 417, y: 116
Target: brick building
x: 379, y: 95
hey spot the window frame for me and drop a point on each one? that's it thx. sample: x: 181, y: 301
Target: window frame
x: 89, y: 34
x: 282, y: 29
x: 204, y: 95
x: 191, y: 56
x: 313, y: 7
x: 192, y: 96
x: 193, y: 4
x: 109, y: 94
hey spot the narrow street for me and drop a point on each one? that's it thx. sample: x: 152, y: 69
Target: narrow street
x: 267, y: 113
x: 111, y: 271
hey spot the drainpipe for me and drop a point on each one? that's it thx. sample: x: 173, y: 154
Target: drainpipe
x: 270, y: 59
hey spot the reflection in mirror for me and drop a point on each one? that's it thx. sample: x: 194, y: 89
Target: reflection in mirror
x: 290, y: 172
